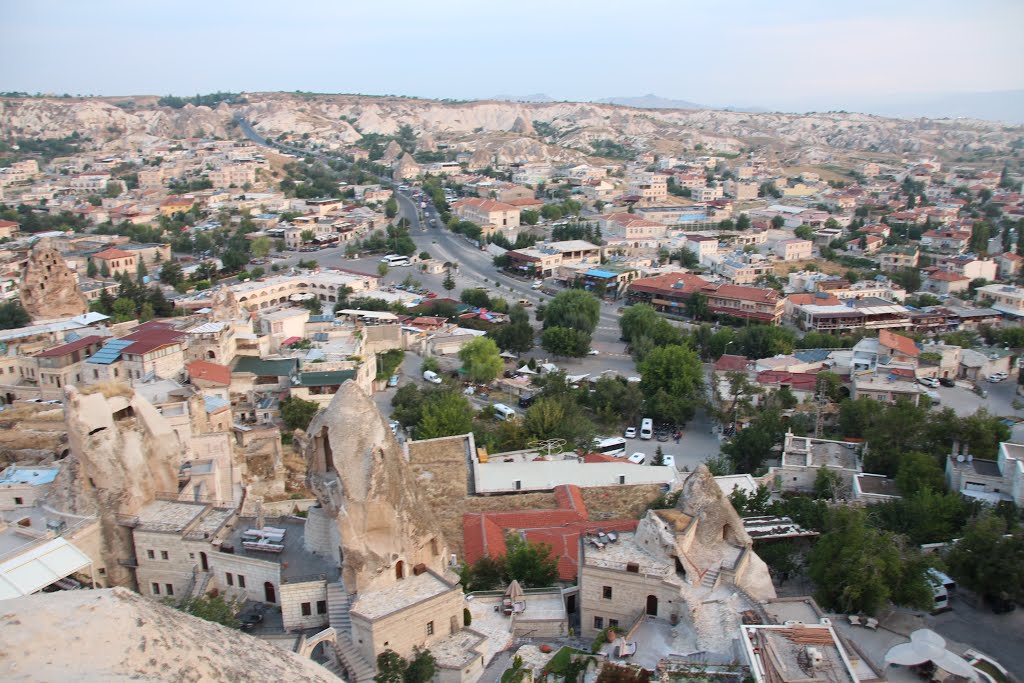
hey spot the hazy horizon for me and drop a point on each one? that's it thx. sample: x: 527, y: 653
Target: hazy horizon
x: 794, y: 55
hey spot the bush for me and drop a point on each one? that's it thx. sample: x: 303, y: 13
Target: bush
x: 467, y: 617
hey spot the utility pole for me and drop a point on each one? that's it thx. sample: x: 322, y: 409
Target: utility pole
x: 819, y: 417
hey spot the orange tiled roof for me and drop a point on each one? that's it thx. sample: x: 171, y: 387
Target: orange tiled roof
x: 904, y: 345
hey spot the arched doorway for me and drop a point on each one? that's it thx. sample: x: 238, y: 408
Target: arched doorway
x: 652, y: 605
x: 203, y: 562
x: 268, y: 593
x: 400, y: 570
x: 322, y: 442
x: 728, y: 535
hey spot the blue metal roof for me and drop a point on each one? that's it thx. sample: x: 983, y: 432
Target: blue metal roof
x: 110, y: 352
x: 601, y: 273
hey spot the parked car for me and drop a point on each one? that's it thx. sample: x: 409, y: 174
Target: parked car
x: 393, y: 381
x: 252, y: 616
x: 947, y: 381
x: 431, y: 377
x: 537, y: 284
x: 997, y: 377
x: 929, y: 381
x: 668, y: 460
x: 934, y: 396
x: 630, y: 433
x: 593, y: 352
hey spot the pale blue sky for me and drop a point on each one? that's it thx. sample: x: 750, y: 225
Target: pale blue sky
x: 791, y: 54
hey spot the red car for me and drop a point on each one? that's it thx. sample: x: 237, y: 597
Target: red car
x: 431, y: 295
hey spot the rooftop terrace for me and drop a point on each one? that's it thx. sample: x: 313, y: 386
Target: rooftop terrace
x: 296, y: 562
x: 398, y: 596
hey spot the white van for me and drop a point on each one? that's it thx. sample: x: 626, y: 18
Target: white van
x: 638, y: 458
x: 647, y: 428
x: 431, y: 377
x: 503, y: 412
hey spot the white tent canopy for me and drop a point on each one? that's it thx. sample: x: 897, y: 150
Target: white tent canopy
x: 525, y: 370
x: 38, y: 567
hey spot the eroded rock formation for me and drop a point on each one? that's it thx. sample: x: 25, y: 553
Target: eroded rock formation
x: 367, y: 490
x: 48, y: 287
x: 117, y: 635
x: 122, y: 453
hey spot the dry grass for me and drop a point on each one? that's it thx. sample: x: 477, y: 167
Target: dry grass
x: 619, y: 502
x: 783, y: 268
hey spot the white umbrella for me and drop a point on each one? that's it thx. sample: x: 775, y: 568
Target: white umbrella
x: 525, y: 370
x: 514, y: 590
x: 928, y: 646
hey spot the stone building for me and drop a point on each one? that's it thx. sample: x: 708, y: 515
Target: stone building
x: 48, y: 287
x: 690, y: 571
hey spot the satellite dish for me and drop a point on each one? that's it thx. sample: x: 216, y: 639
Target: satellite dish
x: 959, y: 458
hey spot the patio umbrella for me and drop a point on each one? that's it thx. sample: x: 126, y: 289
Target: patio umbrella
x: 525, y: 370
x: 514, y: 591
x: 928, y: 646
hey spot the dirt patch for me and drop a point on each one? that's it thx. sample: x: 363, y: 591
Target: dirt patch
x: 108, y: 389
x: 620, y: 502
x: 785, y: 267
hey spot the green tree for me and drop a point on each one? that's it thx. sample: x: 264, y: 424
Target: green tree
x: 857, y: 568
x: 918, y: 471
x: 531, y: 564
x: 390, y: 667
x: 449, y: 282
x: 307, y: 236
x: 565, y: 341
x: 91, y: 270
x: 804, y: 232
x: 260, y: 247
x: 391, y: 207
x: 988, y: 562
x: 212, y: 608
x: 422, y: 667
x: 743, y: 222
x: 636, y: 320
x: 553, y: 417
x: 445, y: 413
x: 113, y: 189
x: 170, y: 273
x: 827, y: 484
x: 124, y: 309
x: 104, y: 268
x: 573, y: 308
x: 517, y: 336
x: 481, y: 360
x: 483, y: 575
x: 672, y: 380
x: 297, y: 413
x: 13, y: 315
x: 382, y: 269
x: 408, y: 405
x: 141, y: 271
x: 529, y: 217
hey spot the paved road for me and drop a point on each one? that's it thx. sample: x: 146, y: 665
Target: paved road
x: 992, y: 634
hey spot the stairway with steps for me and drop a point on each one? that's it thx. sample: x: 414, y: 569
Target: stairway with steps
x: 355, y: 666
x: 709, y: 579
x: 338, y: 605
x: 199, y: 587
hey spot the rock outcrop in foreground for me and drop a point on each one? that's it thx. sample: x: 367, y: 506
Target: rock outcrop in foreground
x: 369, y: 494
x: 117, y: 635
x: 48, y: 287
x: 122, y: 453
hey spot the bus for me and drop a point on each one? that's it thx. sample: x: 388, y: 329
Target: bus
x: 394, y: 260
x: 647, y: 428
x: 615, y: 446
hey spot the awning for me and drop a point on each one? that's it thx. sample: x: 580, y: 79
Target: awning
x: 38, y: 567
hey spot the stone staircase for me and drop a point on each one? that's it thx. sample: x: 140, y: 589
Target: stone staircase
x: 338, y: 605
x: 711, y: 577
x: 353, y: 664
x: 201, y: 582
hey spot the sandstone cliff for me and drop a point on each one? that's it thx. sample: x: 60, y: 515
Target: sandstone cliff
x: 122, y: 453
x: 363, y: 482
x: 48, y: 288
x: 117, y: 635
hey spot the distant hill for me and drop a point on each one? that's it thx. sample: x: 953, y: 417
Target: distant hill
x: 538, y: 97
x: 652, y: 102
x: 1000, y: 105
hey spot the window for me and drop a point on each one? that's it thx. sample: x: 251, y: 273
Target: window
x: 430, y: 628
x: 306, y: 609
x: 156, y: 588
x: 321, y: 607
x: 170, y: 589
x: 613, y: 623
x: 230, y: 578
x: 191, y: 556
x: 164, y: 555
x: 241, y: 581
x: 606, y: 592
x: 599, y: 622
x: 18, y: 501
x: 151, y: 554
x: 102, y: 571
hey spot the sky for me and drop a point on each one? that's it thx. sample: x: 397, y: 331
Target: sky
x: 778, y: 54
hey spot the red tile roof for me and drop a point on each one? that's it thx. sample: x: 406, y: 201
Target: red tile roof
x: 666, y: 283
x: 817, y: 298
x: 70, y: 347
x: 729, y: 363
x: 800, y: 381
x: 898, y: 342
x: 9, y: 224
x: 484, y: 532
x: 946, y: 276
x: 210, y: 372
x: 151, y: 336
x: 111, y: 253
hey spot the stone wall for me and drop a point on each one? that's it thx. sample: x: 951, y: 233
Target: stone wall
x: 403, y: 629
x: 294, y: 595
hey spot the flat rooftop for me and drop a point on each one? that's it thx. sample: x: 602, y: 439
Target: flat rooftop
x: 801, y: 451
x: 458, y: 649
x: 623, y: 552
x: 295, y: 560
x: 398, y: 596
x: 25, y: 526
x: 811, y: 653
x: 31, y: 476
x: 169, y: 515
